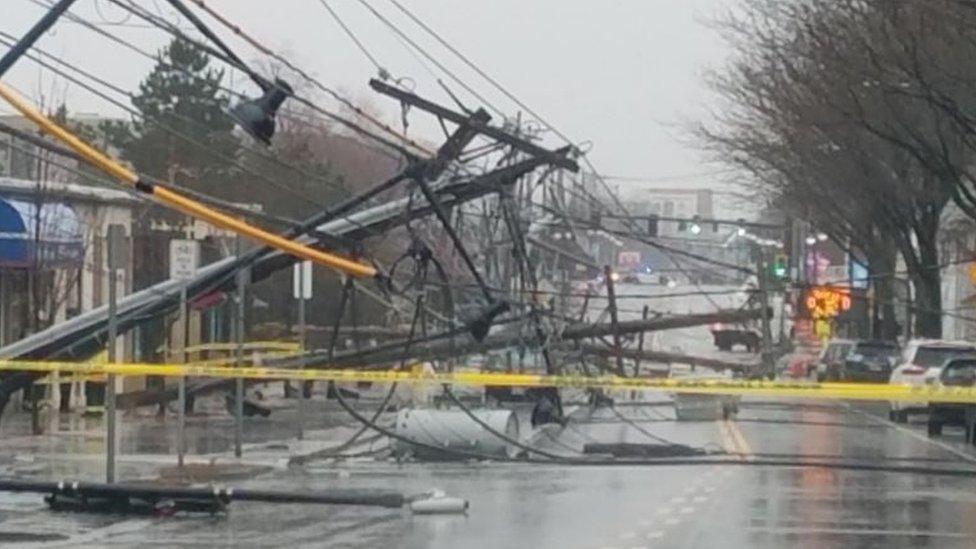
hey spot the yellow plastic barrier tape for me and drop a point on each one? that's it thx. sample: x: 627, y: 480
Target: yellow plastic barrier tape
x: 247, y: 346
x: 836, y: 391
x: 231, y: 360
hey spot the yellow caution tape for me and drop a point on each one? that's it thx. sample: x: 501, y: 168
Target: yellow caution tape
x: 835, y: 391
x: 246, y: 346
x: 231, y: 360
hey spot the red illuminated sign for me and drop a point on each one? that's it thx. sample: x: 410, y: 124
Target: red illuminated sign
x: 825, y: 302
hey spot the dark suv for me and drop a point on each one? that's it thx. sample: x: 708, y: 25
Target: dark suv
x: 870, y: 360
x: 958, y: 372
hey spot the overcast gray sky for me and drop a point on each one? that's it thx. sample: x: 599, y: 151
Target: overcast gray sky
x: 619, y: 73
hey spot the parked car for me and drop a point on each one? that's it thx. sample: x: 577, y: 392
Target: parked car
x: 727, y: 336
x: 958, y: 372
x: 630, y: 278
x: 796, y: 365
x: 922, y: 361
x: 870, y: 360
x: 830, y: 363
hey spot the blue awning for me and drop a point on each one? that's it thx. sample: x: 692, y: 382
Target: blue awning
x: 44, y: 238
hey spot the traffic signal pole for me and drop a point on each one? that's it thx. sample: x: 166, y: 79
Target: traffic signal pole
x: 767, y: 334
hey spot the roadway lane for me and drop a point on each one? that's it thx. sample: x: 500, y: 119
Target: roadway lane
x: 520, y: 505
x: 541, y: 506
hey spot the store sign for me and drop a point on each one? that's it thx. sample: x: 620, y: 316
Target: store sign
x: 826, y: 302
x: 628, y: 260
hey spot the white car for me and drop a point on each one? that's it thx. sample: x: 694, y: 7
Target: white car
x: 921, y: 364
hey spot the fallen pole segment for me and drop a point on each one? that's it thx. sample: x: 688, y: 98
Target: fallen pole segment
x: 439, y: 346
x: 90, y: 496
x: 179, y: 202
x: 669, y: 358
x: 586, y: 329
x: 755, y: 388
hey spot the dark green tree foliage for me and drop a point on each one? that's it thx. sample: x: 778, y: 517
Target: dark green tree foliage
x: 184, y: 131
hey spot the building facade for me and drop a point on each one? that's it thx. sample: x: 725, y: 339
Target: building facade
x: 53, y: 251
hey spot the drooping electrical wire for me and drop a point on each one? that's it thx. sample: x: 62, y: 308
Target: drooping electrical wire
x: 420, y: 148
x: 398, y: 32
x: 382, y: 72
x: 178, y: 33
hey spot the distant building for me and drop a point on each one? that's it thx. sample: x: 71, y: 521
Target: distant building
x: 957, y: 250
x: 673, y: 202
x: 19, y: 159
x: 685, y: 223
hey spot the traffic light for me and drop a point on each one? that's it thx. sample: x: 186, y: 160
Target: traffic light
x: 652, y: 226
x: 779, y: 266
x: 595, y: 218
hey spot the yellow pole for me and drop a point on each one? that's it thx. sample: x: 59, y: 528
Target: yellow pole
x: 178, y: 201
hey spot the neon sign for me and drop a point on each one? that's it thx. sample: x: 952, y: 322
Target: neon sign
x: 826, y: 302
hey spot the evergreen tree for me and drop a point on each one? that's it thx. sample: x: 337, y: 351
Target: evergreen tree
x: 182, y: 94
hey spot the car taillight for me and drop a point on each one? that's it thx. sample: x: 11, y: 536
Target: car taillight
x: 913, y: 370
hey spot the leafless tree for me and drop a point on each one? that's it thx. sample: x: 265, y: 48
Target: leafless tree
x: 815, y: 114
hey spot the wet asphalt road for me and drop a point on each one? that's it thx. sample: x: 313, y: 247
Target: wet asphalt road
x: 744, y: 504
x: 521, y: 505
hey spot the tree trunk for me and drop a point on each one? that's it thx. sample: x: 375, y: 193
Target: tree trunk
x: 928, y: 288
x: 883, y: 322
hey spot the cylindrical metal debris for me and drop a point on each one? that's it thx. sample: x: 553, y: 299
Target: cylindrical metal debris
x: 439, y: 506
x: 453, y: 429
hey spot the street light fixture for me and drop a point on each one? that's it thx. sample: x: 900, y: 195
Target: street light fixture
x: 257, y: 116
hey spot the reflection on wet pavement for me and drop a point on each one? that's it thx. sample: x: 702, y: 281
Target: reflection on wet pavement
x: 525, y: 505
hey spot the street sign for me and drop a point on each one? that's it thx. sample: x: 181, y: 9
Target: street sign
x: 184, y: 258
x: 301, y: 288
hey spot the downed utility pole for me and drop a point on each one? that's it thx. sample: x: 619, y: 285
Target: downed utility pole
x: 178, y: 201
x: 554, y: 158
x: 156, y: 500
x: 441, y: 347
x: 667, y: 358
x: 361, y: 225
x: 438, y: 346
x: 640, y: 343
x: 82, y: 336
x: 614, y: 325
x: 584, y: 330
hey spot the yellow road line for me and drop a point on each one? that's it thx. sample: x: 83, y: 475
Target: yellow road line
x: 727, y: 443
x: 740, y: 440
